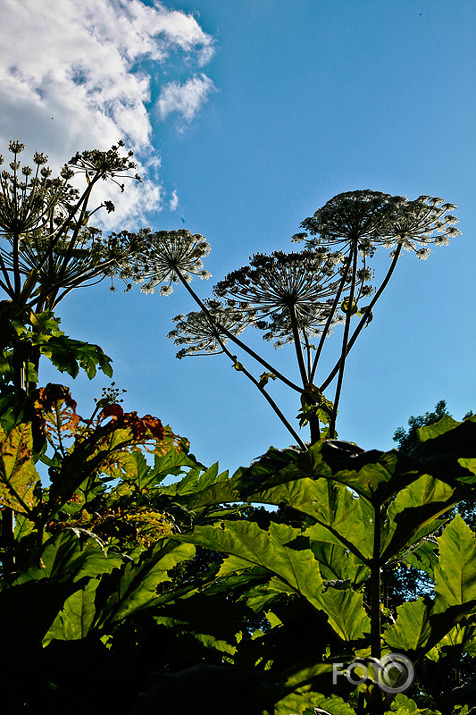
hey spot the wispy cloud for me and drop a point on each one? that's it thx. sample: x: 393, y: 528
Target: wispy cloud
x: 77, y: 75
x: 174, y: 201
x: 186, y: 98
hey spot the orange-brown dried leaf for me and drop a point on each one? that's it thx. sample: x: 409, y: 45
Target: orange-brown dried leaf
x: 57, y: 410
x: 114, y: 411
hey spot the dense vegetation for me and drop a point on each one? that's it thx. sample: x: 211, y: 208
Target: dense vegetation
x: 136, y: 580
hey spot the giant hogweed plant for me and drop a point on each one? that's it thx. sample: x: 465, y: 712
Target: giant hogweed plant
x: 92, y: 546
x: 105, y: 553
x: 296, y: 298
x: 49, y: 247
x: 361, y: 515
x: 109, y: 558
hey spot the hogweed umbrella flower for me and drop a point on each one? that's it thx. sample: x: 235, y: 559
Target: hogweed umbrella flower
x: 414, y: 225
x: 288, y: 291
x: 347, y: 220
x: 372, y: 218
x: 50, y: 245
x: 203, y: 334
x: 164, y: 257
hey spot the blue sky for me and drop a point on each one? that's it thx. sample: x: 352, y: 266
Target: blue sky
x: 246, y: 117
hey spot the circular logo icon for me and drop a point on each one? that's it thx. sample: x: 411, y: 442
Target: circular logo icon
x: 396, y: 673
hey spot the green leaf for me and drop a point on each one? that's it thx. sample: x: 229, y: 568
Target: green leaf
x: 68, y: 557
x: 298, y: 569
x: 411, y: 630
x: 346, y: 613
x: 444, y: 425
x: 335, y: 562
x: 444, y: 448
x: 137, y: 586
x: 12, y: 407
x: 343, y: 520
x: 76, y: 617
x: 69, y: 355
x: 413, y: 513
x: 455, y: 574
x: 303, y: 700
x: 402, y: 705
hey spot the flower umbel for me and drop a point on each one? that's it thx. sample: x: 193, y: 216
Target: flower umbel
x: 201, y: 335
x: 284, y: 288
x: 371, y: 218
x: 425, y: 220
x: 162, y: 257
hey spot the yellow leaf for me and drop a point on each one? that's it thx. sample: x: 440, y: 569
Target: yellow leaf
x: 18, y: 475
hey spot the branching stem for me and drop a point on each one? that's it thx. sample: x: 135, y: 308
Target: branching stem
x: 234, y: 339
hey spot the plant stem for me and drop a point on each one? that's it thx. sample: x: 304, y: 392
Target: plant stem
x: 332, y: 427
x: 234, y: 339
x: 266, y: 396
x: 375, y: 596
x: 8, y: 520
x: 364, y: 319
x: 328, y: 323
x: 298, y: 346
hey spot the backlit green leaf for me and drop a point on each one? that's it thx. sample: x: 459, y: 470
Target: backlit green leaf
x: 455, y: 574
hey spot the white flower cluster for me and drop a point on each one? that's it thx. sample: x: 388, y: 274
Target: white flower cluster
x: 163, y: 258
x: 366, y: 219
x: 286, y: 289
x: 204, y: 336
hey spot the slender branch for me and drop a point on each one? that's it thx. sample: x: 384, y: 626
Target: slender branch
x: 332, y: 425
x: 265, y: 394
x: 328, y: 323
x: 6, y: 289
x: 308, y: 352
x: 298, y: 346
x: 233, y: 338
x: 364, y: 318
x: 83, y: 200
x: 385, y: 281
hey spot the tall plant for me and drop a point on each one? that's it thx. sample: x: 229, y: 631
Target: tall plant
x: 49, y: 247
x: 296, y: 298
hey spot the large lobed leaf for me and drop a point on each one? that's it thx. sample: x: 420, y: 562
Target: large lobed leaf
x: 298, y: 569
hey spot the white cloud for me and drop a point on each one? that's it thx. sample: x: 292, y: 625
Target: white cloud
x: 186, y: 98
x: 77, y: 75
x: 174, y: 201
